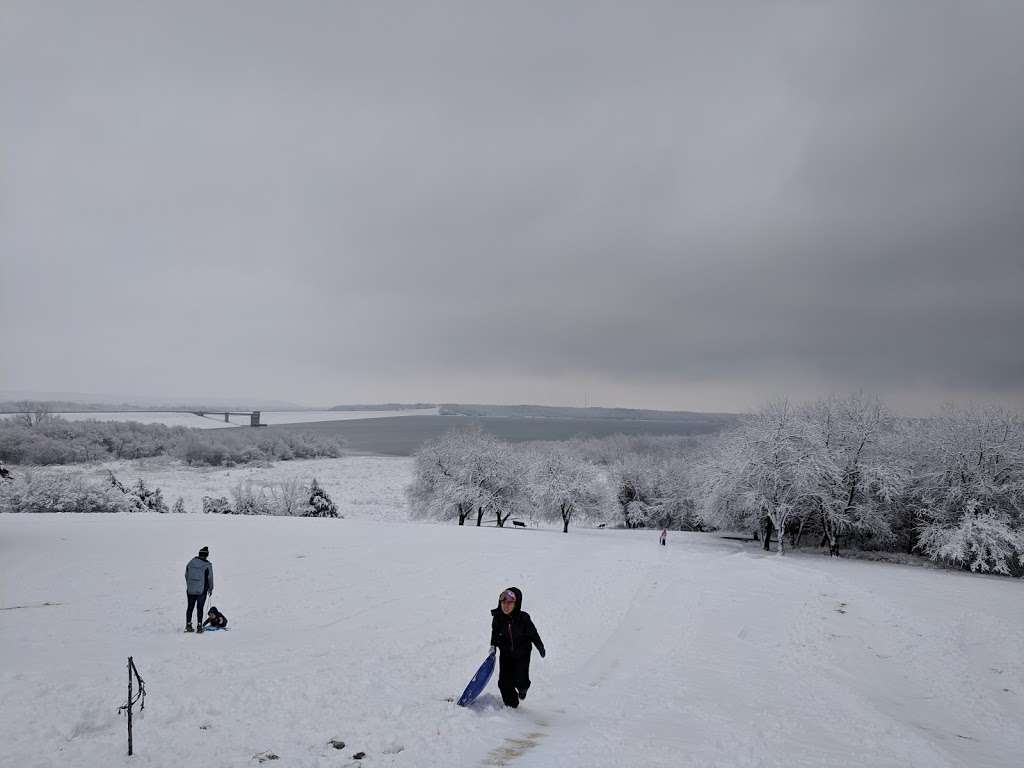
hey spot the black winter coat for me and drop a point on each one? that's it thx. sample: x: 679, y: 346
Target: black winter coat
x: 514, y: 634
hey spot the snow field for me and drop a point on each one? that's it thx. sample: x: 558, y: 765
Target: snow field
x: 368, y: 487
x: 702, y: 653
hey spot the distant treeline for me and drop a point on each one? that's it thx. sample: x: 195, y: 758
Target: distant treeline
x: 52, y: 440
x: 385, y: 407
x: 70, y: 406
x: 559, y: 412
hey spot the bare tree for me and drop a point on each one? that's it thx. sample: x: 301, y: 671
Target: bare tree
x: 33, y: 413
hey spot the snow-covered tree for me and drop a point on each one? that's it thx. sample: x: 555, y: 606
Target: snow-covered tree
x: 677, y: 493
x: 450, y: 476
x: 635, y: 479
x: 319, y: 504
x: 179, y: 506
x: 859, y: 479
x: 504, y: 482
x: 772, y: 470
x: 967, y: 491
x: 562, y: 485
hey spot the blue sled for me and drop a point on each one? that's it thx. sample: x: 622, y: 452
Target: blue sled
x: 214, y: 629
x: 478, y: 683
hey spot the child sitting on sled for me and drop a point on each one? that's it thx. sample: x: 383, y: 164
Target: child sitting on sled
x: 215, y: 619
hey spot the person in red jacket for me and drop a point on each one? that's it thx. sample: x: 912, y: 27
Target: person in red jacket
x: 513, y: 633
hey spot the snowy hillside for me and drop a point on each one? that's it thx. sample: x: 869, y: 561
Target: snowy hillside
x: 702, y: 653
x: 366, y: 487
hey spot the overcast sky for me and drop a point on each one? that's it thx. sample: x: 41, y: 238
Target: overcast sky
x: 666, y: 205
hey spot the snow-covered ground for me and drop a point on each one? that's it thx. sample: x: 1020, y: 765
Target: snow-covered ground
x: 213, y: 421
x: 702, y: 653
x: 368, y: 487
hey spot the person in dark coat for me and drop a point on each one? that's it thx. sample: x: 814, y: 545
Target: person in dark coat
x: 513, y: 633
x: 198, y: 584
x: 215, y: 619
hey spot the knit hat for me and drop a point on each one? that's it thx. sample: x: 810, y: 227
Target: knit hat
x: 204, y: 551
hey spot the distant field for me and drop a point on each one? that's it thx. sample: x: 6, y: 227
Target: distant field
x: 402, y: 435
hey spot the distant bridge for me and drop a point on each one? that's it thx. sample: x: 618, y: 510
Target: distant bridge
x: 254, y: 416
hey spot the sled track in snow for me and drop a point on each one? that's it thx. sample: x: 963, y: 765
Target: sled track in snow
x: 630, y: 629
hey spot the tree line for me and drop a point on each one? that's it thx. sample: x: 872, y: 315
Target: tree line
x: 40, y: 438
x: 837, y: 472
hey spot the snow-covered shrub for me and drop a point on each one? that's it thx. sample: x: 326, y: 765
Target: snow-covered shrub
x: 152, y: 499
x: 319, y: 504
x: 250, y: 501
x: 36, y: 491
x: 179, y: 506
x: 982, y: 541
x: 139, y: 497
x: 216, y: 505
x: 967, y: 490
x: 289, y: 498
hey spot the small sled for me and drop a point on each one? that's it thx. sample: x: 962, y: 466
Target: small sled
x: 214, y: 629
x: 478, y: 683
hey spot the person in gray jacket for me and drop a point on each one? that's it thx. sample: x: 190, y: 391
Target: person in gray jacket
x: 199, y: 584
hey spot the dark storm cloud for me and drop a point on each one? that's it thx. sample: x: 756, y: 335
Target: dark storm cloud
x: 665, y: 205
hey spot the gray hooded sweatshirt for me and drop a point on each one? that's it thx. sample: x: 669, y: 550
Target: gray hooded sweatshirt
x: 199, y: 576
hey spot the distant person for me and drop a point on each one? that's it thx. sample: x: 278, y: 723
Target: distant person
x: 664, y: 535
x: 198, y: 584
x: 215, y: 619
x: 513, y: 633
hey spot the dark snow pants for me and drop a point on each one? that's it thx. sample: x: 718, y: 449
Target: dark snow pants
x: 198, y: 601
x: 513, y: 677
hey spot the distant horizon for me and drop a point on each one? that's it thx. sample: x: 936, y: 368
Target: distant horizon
x: 139, y: 402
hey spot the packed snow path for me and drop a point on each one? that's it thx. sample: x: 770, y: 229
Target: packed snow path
x: 702, y: 653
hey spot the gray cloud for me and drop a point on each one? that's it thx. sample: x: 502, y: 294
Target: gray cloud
x: 692, y: 207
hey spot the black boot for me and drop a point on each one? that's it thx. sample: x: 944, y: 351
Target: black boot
x: 188, y: 627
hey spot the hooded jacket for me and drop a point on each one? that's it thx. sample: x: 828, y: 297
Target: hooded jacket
x: 199, y: 576
x: 515, y: 633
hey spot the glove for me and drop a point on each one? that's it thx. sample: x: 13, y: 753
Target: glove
x: 543, y: 653
x: 492, y: 651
